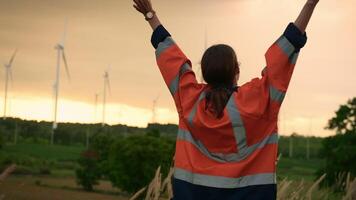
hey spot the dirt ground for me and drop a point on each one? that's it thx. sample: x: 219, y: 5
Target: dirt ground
x: 43, y: 188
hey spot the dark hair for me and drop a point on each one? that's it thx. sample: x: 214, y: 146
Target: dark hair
x: 219, y: 68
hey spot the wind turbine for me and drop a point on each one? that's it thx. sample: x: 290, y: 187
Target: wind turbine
x: 308, y: 138
x: 205, y: 39
x: 106, y: 86
x: 60, y: 56
x: 96, y: 106
x: 199, y: 72
x: 8, y: 75
x: 154, y: 111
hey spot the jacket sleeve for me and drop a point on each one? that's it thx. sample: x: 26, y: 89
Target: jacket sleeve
x: 263, y: 96
x: 175, y: 68
x: 281, y: 58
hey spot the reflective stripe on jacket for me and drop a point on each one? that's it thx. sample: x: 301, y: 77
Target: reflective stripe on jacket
x: 238, y: 150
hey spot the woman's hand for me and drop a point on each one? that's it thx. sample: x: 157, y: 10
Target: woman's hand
x: 145, y: 7
x: 303, y: 19
x: 313, y: 2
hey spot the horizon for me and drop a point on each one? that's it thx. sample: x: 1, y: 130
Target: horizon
x: 112, y: 33
x: 140, y: 127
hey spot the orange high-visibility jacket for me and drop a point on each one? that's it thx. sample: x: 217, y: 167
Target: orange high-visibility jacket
x: 236, y: 151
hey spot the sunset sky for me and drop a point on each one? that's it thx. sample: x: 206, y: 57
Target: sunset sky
x: 102, y: 33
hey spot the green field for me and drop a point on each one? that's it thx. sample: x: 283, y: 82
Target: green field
x: 63, y: 158
x: 60, y: 162
x: 297, y: 169
x: 44, y: 151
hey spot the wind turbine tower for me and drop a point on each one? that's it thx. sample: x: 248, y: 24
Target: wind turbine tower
x: 200, y: 73
x: 154, y: 109
x: 60, y: 56
x: 8, y: 76
x: 96, y: 106
x: 106, y: 86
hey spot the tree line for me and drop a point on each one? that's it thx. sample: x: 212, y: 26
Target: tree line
x: 16, y: 130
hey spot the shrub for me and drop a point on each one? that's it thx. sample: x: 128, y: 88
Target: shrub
x: 1, y: 141
x: 340, y: 150
x: 44, y: 170
x: 88, y: 172
x: 133, y: 160
x: 340, y: 154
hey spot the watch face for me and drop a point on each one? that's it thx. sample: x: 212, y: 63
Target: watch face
x: 149, y: 15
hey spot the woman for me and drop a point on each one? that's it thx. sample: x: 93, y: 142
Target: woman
x: 227, y: 140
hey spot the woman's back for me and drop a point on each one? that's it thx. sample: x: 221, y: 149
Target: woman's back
x: 236, y: 152
x: 226, y: 145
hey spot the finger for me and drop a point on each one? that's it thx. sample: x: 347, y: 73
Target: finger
x: 145, y: 4
x: 150, y: 4
x: 137, y: 3
x: 140, y: 5
x: 137, y: 8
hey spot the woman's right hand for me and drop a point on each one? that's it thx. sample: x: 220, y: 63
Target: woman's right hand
x: 313, y: 2
x: 143, y: 6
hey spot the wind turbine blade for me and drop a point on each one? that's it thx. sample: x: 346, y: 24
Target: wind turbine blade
x: 12, y: 58
x: 108, y: 83
x: 158, y: 96
x: 64, y: 32
x: 206, y: 39
x: 10, y: 74
x: 66, y: 65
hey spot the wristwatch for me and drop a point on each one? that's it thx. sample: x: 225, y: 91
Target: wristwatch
x: 149, y: 15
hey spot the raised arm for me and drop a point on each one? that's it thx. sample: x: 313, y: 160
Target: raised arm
x: 282, y: 56
x: 173, y: 64
x: 145, y: 7
x: 303, y: 19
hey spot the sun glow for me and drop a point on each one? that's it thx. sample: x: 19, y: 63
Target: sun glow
x: 41, y: 108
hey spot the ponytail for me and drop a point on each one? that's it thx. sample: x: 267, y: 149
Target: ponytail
x: 217, y: 98
x: 219, y: 69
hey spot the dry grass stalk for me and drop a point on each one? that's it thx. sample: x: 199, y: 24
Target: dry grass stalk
x: 169, y: 190
x: 169, y: 184
x: 279, y: 157
x: 7, y: 172
x: 282, y: 194
x: 296, y: 194
x: 155, y: 186
x: 351, y: 191
x: 340, y: 180
x: 137, y: 194
x: 315, y: 184
x: 348, y: 177
x: 166, y: 180
x: 149, y: 191
x: 281, y: 184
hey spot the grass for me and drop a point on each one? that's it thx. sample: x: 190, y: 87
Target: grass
x: 37, y: 159
x: 44, y: 151
x: 298, y: 169
x: 61, y: 160
x: 39, y: 188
